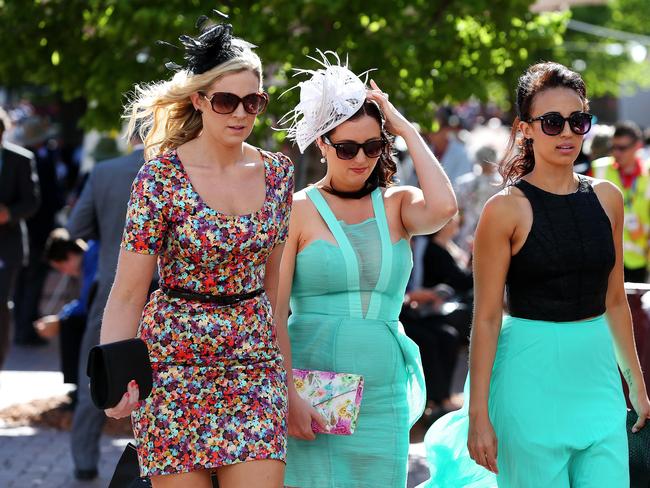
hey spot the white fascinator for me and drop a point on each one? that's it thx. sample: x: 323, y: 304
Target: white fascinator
x: 329, y: 97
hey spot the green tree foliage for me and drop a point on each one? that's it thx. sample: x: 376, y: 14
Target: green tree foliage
x: 606, y: 63
x: 426, y: 51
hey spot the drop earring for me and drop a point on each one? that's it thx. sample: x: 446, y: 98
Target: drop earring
x: 323, y: 160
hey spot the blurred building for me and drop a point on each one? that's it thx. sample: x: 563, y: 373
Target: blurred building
x: 548, y: 5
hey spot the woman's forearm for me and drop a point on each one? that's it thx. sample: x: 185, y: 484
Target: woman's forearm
x: 482, y: 352
x: 620, y: 324
x: 434, y: 183
x: 121, y: 318
x: 285, y: 348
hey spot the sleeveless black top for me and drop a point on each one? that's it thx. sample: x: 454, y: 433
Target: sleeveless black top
x: 561, y: 272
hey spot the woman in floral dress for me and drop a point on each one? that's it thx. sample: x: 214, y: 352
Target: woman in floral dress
x: 212, y: 212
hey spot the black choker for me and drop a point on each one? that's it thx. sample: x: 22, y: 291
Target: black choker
x: 367, y: 189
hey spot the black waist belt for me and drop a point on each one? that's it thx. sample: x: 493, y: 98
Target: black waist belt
x: 209, y: 298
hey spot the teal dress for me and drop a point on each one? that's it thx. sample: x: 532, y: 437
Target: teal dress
x: 345, y: 303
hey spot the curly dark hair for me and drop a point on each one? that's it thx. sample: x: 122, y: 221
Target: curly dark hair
x: 385, y: 169
x: 519, y: 159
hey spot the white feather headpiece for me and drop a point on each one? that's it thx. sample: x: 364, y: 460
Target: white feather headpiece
x: 331, y: 96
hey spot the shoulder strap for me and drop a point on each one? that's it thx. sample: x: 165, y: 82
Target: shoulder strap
x: 386, y: 254
x: 351, y: 264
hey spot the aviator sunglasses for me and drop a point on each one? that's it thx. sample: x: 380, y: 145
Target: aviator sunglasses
x: 553, y: 123
x: 226, y: 103
x: 349, y: 150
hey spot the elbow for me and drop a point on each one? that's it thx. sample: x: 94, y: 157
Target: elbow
x: 452, y: 208
x: 448, y: 210
x: 449, y: 205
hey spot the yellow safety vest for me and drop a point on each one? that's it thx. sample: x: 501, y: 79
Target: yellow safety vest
x: 636, y: 230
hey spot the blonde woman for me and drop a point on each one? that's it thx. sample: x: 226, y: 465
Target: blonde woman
x: 212, y: 212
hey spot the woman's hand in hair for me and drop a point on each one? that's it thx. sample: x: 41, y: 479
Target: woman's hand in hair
x: 396, y: 123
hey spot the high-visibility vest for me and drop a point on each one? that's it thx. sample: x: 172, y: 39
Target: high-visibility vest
x: 636, y: 230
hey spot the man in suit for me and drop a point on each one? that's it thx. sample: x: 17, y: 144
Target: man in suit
x: 99, y: 214
x: 19, y: 199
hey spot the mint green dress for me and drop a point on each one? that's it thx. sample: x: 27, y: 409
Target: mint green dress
x: 345, y: 303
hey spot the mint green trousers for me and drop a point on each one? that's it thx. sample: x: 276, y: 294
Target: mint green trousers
x: 557, y: 406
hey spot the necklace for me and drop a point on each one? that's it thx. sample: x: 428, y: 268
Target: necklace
x: 366, y: 189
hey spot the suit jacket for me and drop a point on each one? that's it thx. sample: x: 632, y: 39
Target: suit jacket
x: 100, y: 213
x: 19, y: 191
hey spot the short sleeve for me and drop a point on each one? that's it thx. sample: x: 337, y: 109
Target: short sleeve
x: 146, y: 215
x: 287, y: 183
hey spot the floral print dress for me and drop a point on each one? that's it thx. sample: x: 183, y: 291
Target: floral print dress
x: 219, y: 387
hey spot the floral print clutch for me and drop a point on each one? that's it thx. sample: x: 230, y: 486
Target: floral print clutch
x: 336, y: 396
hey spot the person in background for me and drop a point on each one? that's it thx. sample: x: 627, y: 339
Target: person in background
x: 19, y: 199
x: 644, y: 153
x: 472, y: 191
x: 76, y: 259
x: 600, y: 143
x: 36, y: 134
x: 99, y: 214
x: 445, y: 143
x: 625, y: 169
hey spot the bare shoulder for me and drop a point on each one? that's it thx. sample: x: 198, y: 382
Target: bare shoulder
x: 508, y: 205
x: 302, y: 207
x: 607, y: 192
x: 300, y: 197
x: 604, y: 186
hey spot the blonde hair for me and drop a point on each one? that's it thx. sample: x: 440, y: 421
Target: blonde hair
x: 162, y: 112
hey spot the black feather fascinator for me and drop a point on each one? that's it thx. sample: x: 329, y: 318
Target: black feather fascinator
x: 213, y: 46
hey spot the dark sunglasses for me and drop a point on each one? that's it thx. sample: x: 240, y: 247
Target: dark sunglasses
x: 349, y: 150
x: 227, y: 103
x: 553, y: 123
x: 622, y: 147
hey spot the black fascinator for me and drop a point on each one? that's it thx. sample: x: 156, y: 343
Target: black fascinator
x: 213, y: 46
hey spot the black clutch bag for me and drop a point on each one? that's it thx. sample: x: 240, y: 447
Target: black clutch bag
x: 112, y: 366
x: 639, y: 445
x: 127, y: 471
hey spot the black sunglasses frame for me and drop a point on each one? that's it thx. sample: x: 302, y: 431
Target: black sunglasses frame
x: 338, y: 146
x: 547, y: 116
x: 242, y: 100
x: 622, y: 147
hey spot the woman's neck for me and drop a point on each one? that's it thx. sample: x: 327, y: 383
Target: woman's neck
x: 560, y: 180
x: 207, y: 150
x: 340, y: 186
x: 352, y: 193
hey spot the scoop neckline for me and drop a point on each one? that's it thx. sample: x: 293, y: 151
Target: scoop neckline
x: 202, y: 201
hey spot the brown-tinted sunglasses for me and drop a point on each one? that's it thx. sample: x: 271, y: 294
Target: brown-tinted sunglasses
x: 226, y: 103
